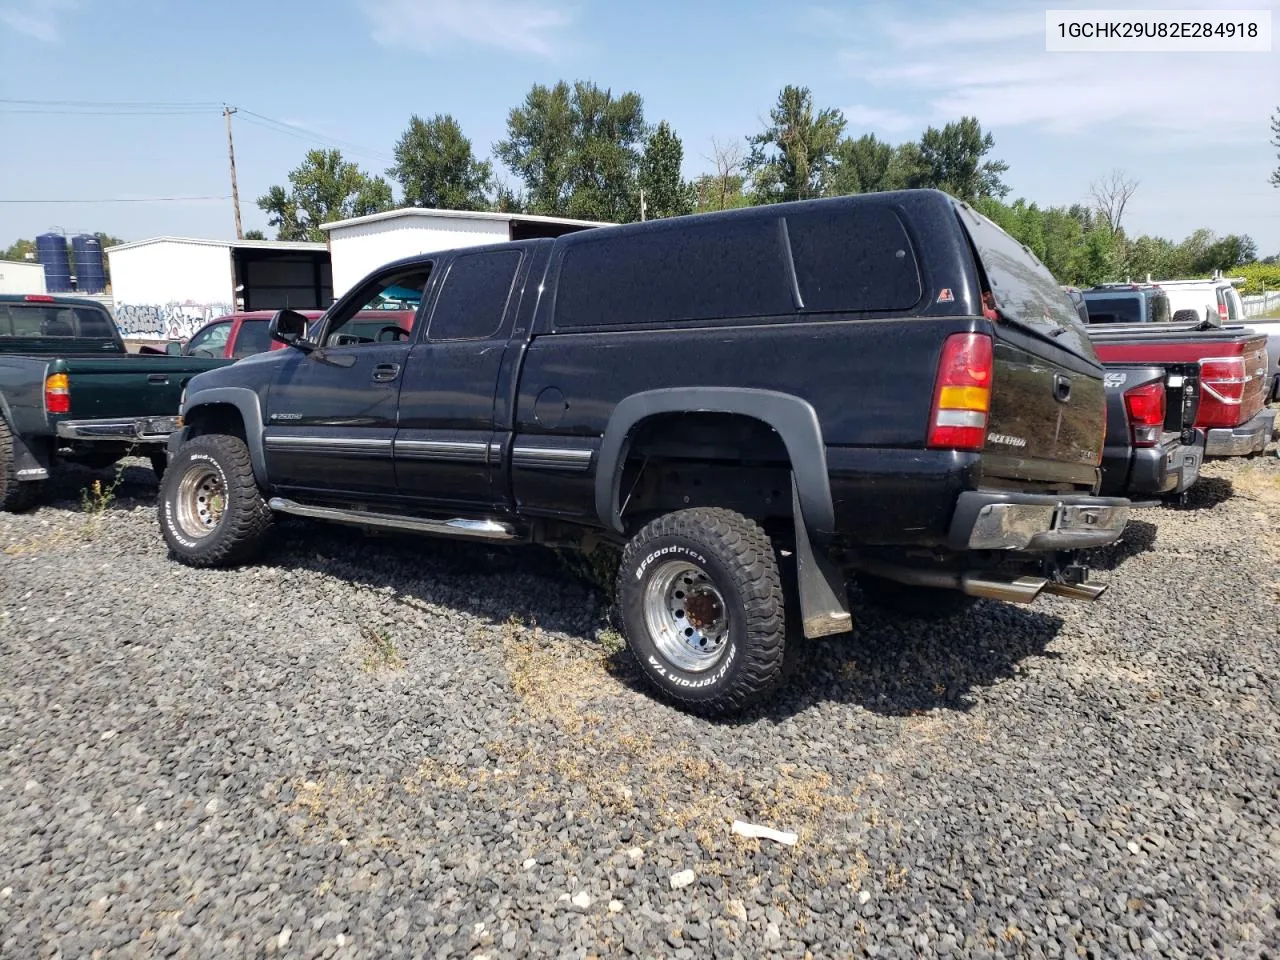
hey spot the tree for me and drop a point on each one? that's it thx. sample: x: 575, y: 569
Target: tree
x: 792, y: 158
x: 436, y: 167
x: 1233, y: 250
x: 861, y: 166
x: 577, y: 149
x: 1275, y: 142
x: 322, y: 189
x: 665, y: 192
x: 951, y: 159
x: 722, y: 190
x: 1111, y: 195
x: 254, y: 235
x: 19, y: 249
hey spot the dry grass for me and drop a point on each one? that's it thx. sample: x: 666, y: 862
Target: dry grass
x: 377, y: 651
x: 45, y: 542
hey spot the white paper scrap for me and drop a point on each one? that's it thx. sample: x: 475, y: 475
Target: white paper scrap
x: 744, y: 829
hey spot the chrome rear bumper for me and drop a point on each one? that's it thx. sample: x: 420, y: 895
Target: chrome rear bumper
x: 135, y: 430
x: 1035, y: 522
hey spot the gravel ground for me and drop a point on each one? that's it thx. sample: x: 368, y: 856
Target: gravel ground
x: 370, y: 746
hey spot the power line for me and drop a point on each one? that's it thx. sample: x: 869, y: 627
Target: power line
x: 59, y: 112
x: 121, y: 200
x: 293, y: 129
x: 113, y: 103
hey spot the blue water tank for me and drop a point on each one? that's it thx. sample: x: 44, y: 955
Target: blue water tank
x: 90, y: 277
x: 51, y: 249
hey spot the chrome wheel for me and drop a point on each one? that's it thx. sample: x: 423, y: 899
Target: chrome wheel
x: 686, y: 616
x: 201, y: 501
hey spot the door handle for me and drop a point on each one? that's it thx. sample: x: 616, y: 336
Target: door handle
x: 1061, y: 388
x: 157, y: 378
x: 386, y: 371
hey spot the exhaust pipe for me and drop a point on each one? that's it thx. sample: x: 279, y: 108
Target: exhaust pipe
x: 1022, y: 590
x: 1089, y: 590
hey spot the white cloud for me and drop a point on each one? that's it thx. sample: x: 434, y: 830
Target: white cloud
x: 533, y: 28
x: 860, y: 116
x: 37, y: 19
x: 994, y: 66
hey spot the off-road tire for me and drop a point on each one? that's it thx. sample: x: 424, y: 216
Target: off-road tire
x: 739, y: 561
x: 159, y: 463
x: 15, y: 495
x: 911, y: 601
x: 245, y: 520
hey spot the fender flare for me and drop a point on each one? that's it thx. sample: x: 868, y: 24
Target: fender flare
x: 245, y: 401
x: 793, y: 418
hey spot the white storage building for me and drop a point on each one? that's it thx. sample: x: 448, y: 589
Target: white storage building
x: 363, y: 244
x: 166, y: 288
x: 21, y: 276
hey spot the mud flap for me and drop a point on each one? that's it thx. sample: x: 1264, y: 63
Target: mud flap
x: 824, y: 607
x: 26, y: 464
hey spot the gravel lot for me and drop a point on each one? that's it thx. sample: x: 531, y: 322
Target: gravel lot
x: 383, y: 746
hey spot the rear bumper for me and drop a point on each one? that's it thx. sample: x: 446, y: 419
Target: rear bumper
x: 1251, y: 437
x: 1170, y: 468
x: 996, y: 520
x: 135, y: 430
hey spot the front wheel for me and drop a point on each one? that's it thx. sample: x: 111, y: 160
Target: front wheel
x: 212, y: 513
x: 702, y: 608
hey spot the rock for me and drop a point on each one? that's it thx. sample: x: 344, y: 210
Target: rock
x: 682, y: 879
x: 582, y: 899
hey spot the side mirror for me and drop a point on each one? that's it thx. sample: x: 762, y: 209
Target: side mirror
x: 173, y: 348
x: 290, y: 328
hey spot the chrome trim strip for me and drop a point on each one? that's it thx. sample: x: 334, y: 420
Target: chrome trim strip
x: 467, y: 451
x: 456, y: 527
x: 314, y: 441
x: 551, y: 458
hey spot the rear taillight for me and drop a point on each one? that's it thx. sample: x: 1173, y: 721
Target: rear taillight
x: 962, y: 393
x: 1145, y: 406
x: 38, y: 298
x: 1224, y: 378
x: 1222, y: 312
x: 57, y: 393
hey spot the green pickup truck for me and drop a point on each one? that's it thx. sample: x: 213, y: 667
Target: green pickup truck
x: 70, y: 391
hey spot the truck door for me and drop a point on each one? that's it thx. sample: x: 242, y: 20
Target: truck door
x: 331, y: 413
x: 446, y: 453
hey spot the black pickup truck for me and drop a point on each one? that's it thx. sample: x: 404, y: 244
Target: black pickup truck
x: 70, y: 391
x: 886, y: 387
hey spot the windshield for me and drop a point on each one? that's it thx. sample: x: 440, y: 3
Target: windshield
x: 1114, y: 309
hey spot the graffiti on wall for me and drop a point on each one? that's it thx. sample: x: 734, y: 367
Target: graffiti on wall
x: 166, y: 321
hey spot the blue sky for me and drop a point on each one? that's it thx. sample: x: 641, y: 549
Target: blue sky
x: 1192, y: 128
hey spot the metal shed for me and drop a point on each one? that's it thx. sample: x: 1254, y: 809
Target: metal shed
x: 363, y: 244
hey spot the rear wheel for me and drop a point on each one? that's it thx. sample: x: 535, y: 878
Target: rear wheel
x: 702, y: 608
x: 15, y: 495
x: 915, y: 602
x: 212, y: 513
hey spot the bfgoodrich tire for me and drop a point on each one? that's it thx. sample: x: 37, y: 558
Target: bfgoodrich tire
x: 212, y: 513
x: 913, y: 602
x: 701, y: 605
x: 15, y: 495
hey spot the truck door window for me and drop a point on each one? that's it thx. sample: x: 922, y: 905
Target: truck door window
x: 211, y: 341
x: 254, y: 337
x: 473, y: 299
x: 391, y: 296
x: 1160, y: 309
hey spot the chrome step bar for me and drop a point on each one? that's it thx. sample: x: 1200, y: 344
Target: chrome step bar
x: 458, y: 527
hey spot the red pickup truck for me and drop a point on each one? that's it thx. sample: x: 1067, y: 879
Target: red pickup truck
x: 1233, y: 375
x: 243, y: 334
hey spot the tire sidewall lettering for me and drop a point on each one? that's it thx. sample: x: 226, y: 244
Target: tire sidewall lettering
x: 667, y: 551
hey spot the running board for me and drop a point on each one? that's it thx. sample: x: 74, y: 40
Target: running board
x: 458, y: 527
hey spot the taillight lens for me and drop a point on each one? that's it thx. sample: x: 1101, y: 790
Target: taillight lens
x: 57, y: 393
x: 1224, y: 378
x: 1222, y: 311
x: 1145, y: 405
x: 962, y: 393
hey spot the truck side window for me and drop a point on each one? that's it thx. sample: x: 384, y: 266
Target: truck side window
x: 94, y: 324
x: 254, y: 337
x: 211, y: 341
x: 393, y: 296
x: 850, y: 260
x: 473, y: 299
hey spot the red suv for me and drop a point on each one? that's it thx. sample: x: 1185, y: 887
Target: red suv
x: 243, y: 334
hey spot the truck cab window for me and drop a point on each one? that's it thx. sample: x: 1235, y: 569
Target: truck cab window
x: 473, y: 299
x: 383, y: 313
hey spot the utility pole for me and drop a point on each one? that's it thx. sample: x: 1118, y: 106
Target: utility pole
x: 642, y: 204
x: 231, y: 154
